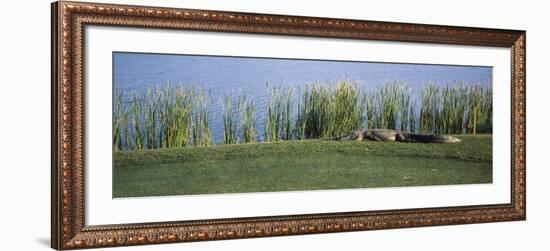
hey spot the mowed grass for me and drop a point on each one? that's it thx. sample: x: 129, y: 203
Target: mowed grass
x: 300, y: 165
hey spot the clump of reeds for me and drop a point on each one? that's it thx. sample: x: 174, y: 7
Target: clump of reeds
x: 371, y: 115
x: 158, y: 118
x: 286, y: 121
x: 348, y: 113
x: 455, y: 109
x: 150, y: 117
x: 480, y: 104
x: 301, y: 120
x: 176, y: 106
x: 201, y: 117
x: 315, y: 116
x: 248, y: 119
x: 230, y: 111
x: 137, y: 116
x: 278, y: 121
x: 430, y: 99
x: 412, y: 118
x: 388, y: 105
x: 326, y: 111
x: 405, y: 102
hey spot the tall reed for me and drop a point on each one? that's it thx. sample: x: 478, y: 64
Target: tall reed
x: 118, y: 110
x: 286, y: 116
x: 316, y: 112
x: 301, y: 120
x: 248, y: 119
x: 388, y: 105
x: 412, y: 118
x: 429, y: 108
x: 126, y: 131
x: 202, y: 136
x: 230, y: 119
x: 278, y: 121
x: 404, y: 106
x: 137, y: 117
x: 151, y: 107
x: 371, y: 113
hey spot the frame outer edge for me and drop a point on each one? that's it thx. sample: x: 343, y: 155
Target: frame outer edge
x: 523, y: 87
x: 56, y: 224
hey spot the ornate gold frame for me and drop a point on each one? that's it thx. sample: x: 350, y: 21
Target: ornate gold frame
x: 68, y: 228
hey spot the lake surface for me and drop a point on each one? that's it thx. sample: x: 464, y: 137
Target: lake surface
x: 240, y: 75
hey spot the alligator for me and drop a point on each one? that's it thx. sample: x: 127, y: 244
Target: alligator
x: 393, y: 135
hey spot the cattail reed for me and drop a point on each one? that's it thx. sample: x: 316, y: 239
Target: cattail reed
x: 137, y: 116
x: 388, y: 105
x: 278, y: 121
x: 176, y: 116
x: 347, y: 108
x: 372, y: 118
x: 230, y: 119
x: 151, y: 119
x: 118, y: 110
x: 315, y: 114
x: 201, y: 117
x: 404, y: 99
x: 248, y: 119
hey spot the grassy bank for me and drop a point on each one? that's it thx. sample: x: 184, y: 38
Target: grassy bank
x: 300, y: 165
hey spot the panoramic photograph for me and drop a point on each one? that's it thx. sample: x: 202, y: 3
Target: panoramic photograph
x: 198, y: 124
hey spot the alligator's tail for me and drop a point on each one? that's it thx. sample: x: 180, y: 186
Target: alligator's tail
x: 432, y: 138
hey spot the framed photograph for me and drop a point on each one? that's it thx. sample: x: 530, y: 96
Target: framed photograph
x: 176, y: 125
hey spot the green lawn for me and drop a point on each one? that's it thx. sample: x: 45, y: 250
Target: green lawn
x: 300, y: 165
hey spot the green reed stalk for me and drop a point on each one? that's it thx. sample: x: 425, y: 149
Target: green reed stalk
x: 150, y: 108
x: 412, y: 117
x: 175, y: 115
x: 404, y: 106
x: 286, y: 116
x: 300, y: 125
x: 201, y: 133
x: 137, y: 113
x: 230, y: 119
x: 347, y: 108
x: 278, y: 121
x: 248, y: 119
x: 388, y: 105
x: 118, y: 110
x: 429, y: 108
x: 316, y: 112
x: 371, y: 110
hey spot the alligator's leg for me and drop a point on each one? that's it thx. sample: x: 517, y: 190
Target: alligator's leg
x: 373, y: 137
x: 405, y: 137
x: 350, y: 136
x: 400, y: 137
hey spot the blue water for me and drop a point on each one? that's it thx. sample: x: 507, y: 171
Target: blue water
x: 219, y: 75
